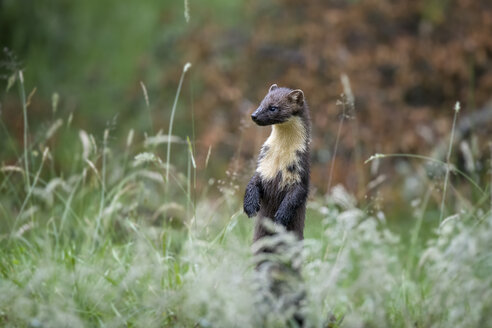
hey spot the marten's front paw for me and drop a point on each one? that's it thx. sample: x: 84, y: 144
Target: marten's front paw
x: 251, y: 208
x: 251, y: 198
x: 282, y: 217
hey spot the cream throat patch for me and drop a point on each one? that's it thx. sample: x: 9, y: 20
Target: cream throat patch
x: 280, y: 151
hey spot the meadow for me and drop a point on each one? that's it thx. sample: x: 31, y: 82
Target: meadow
x: 123, y: 167
x: 126, y: 239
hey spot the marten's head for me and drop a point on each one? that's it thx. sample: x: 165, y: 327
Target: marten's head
x: 278, y: 106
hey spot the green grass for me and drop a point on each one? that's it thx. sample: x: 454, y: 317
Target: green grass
x: 95, y: 244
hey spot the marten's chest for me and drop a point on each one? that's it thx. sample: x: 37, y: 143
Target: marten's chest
x: 281, y: 153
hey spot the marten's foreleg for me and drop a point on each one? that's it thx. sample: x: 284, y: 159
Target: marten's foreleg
x: 252, y: 196
x: 295, y: 198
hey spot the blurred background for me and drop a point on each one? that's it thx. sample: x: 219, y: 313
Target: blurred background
x: 408, y: 63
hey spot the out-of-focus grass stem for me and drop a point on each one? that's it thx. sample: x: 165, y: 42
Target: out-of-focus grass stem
x: 22, y: 92
x: 348, y: 104
x: 147, y: 104
x: 31, y: 188
x: 490, y: 186
x: 416, y: 231
x: 193, y: 146
x: 448, y: 157
x: 340, y: 125
x: 103, y: 187
x: 171, y: 120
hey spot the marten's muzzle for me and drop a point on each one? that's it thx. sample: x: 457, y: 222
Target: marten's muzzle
x: 254, y: 116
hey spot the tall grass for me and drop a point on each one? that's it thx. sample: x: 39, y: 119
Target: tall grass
x: 22, y: 93
x: 102, y: 249
x: 490, y: 173
x: 171, y: 120
x: 347, y: 104
x: 448, y: 158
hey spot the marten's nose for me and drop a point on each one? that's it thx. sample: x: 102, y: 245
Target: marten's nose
x: 254, y: 116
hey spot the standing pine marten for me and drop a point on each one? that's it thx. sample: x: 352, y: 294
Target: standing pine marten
x: 279, y: 188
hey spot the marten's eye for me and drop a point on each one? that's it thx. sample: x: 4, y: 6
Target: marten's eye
x: 272, y: 108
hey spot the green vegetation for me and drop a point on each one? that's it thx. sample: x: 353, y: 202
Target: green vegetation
x: 100, y: 247
x: 115, y: 212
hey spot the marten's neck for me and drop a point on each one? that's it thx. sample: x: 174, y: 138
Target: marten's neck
x: 281, y: 151
x: 291, y: 135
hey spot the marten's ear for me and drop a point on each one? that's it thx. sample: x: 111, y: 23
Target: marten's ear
x: 273, y: 87
x: 296, y: 96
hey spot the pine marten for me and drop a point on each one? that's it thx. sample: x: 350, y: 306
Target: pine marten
x: 279, y: 188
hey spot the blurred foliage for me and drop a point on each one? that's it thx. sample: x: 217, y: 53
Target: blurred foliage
x: 90, y: 52
x: 93, y: 233
x: 408, y: 62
